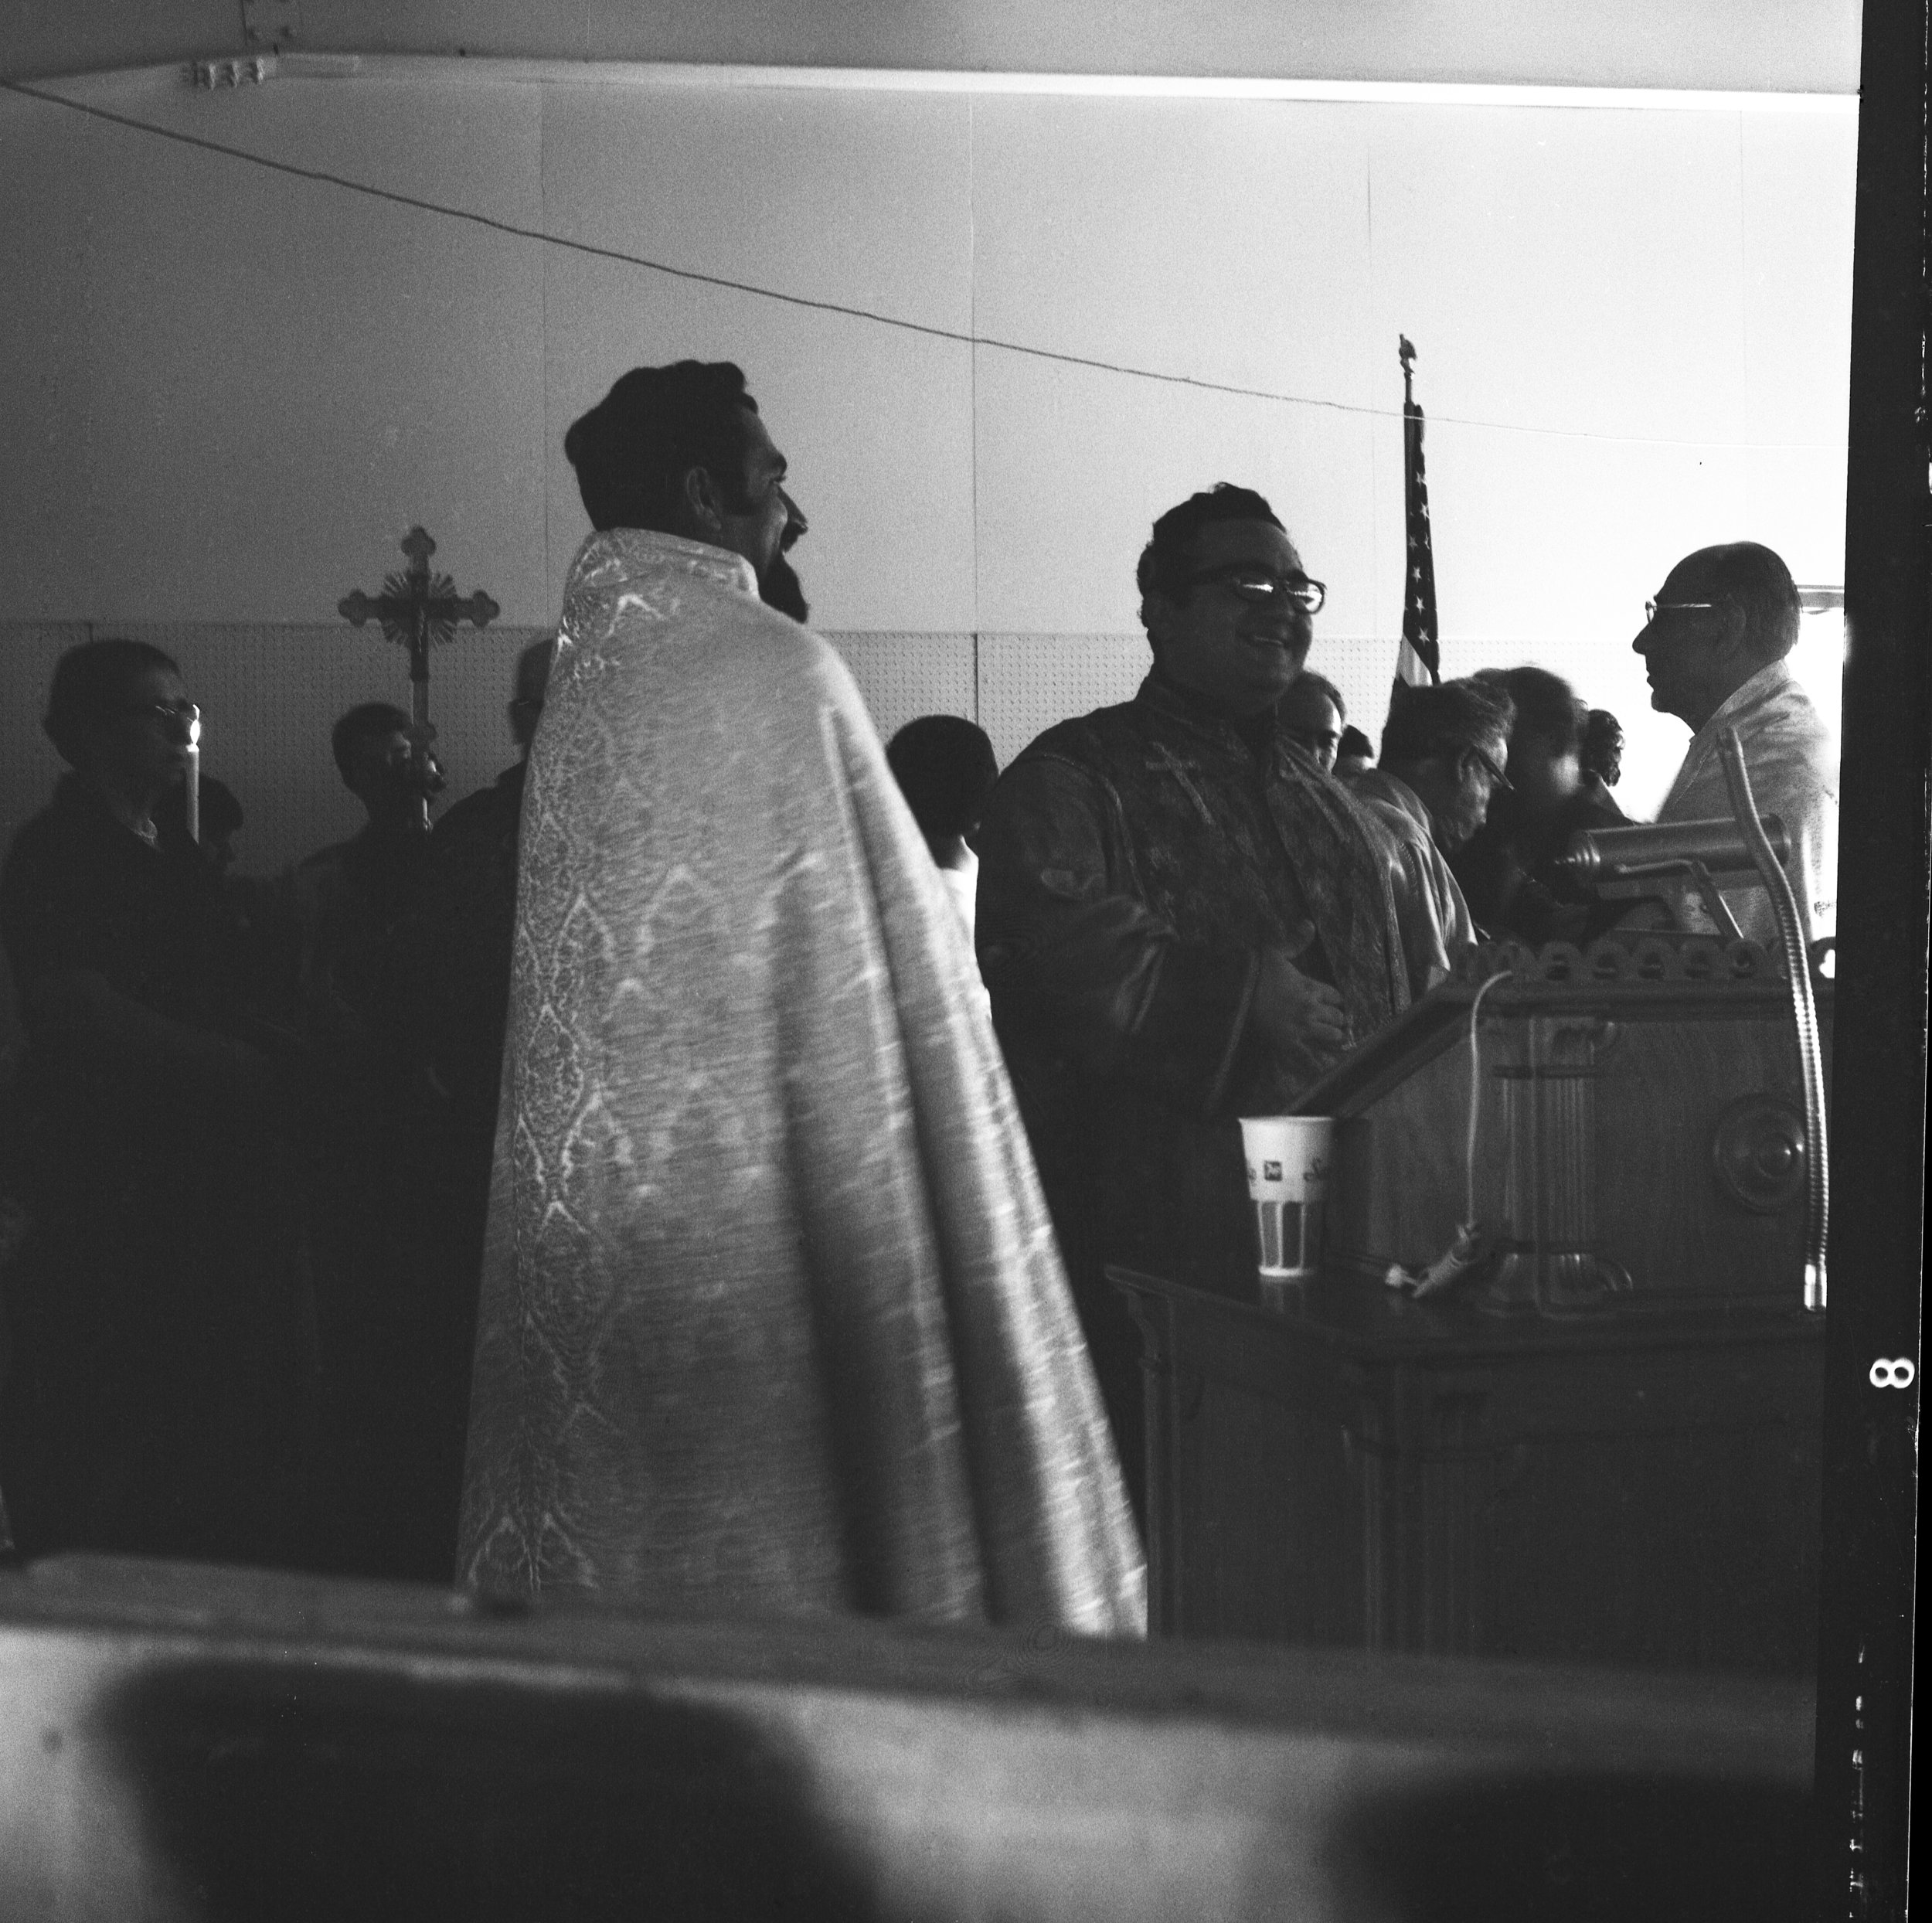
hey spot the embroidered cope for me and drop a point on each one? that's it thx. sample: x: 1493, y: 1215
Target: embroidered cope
x: 772, y: 1317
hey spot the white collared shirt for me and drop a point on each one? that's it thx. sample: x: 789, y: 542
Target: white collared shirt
x: 1793, y: 763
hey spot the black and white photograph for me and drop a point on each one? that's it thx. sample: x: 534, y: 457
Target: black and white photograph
x: 961, y: 962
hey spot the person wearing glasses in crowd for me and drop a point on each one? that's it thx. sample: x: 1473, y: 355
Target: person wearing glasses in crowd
x: 154, y: 1307
x: 1181, y: 920
x: 1511, y: 869
x: 1714, y: 643
x: 1443, y: 751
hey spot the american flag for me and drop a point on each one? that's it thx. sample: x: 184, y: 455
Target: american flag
x: 1419, y: 662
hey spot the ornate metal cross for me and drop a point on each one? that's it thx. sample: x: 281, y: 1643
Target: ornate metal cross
x: 419, y: 609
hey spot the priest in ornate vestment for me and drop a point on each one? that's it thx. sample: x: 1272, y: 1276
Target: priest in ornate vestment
x: 772, y: 1316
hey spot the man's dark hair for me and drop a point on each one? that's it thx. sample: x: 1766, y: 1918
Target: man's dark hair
x: 1444, y: 721
x: 632, y: 450
x: 1322, y: 684
x: 1546, y: 707
x: 945, y: 768
x: 1168, y: 558
x: 90, y: 684
x: 1602, y: 736
x: 1354, y: 745
x: 1756, y: 581
x: 368, y: 718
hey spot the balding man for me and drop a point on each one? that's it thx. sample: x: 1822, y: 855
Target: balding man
x: 1714, y: 643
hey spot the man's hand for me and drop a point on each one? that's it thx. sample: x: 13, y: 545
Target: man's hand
x: 1303, y: 1020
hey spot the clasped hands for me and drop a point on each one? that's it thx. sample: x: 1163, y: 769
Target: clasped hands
x: 1304, y: 1021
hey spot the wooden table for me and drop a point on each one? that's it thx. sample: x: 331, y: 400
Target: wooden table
x: 1355, y: 1469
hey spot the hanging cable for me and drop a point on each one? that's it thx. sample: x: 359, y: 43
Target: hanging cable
x: 322, y: 176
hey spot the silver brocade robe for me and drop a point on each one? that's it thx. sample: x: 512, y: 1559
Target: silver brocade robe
x: 772, y: 1317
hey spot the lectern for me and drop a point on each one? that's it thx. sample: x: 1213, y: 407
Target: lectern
x: 1601, y: 1442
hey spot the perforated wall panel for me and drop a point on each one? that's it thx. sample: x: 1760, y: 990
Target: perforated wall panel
x: 904, y: 676
x: 1028, y: 681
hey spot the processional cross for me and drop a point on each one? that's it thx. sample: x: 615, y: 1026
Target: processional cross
x: 420, y: 609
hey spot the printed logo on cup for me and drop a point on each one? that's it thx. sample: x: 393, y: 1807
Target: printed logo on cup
x: 1290, y: 1193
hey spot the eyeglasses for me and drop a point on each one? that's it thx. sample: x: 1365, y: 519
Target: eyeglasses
x: 1257, y: 585
x: 187, y: 713
x: 1497, y: 778
x: 1653, y: 608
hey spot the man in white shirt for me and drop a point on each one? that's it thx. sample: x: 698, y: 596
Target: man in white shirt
x: 1714, y: 644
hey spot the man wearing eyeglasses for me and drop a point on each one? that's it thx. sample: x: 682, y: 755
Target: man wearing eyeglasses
x: 1443, y: 751
x: 1714, y: 643
x: 156, y: 1302
x: 1181, y: 919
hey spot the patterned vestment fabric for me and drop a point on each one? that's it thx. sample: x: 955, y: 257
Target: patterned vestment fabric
x: 772, y: 1318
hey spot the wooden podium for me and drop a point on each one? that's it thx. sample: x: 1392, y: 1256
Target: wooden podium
x: 1605, y: 1447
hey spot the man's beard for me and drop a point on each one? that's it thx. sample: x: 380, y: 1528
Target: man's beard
x: 778, y: 587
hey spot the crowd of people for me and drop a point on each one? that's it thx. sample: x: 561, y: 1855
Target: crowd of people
x: 623, y: 1185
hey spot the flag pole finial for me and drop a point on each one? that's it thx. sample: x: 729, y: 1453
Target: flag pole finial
x: 1405, y: 353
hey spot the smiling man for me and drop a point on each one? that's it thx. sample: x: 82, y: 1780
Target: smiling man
x: 1181, y: 920
x: 1714, y: 643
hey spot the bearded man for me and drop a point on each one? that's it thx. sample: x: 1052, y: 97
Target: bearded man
x: 772, y: 1318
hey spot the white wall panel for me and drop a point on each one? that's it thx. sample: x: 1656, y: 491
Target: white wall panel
x: 864, y: 201
x: 282, y: 376
x: 228, y: 391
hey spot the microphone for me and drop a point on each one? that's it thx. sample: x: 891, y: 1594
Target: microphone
x: 1596, y: 856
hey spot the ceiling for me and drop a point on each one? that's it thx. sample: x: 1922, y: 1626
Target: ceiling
x: 1774, y: 46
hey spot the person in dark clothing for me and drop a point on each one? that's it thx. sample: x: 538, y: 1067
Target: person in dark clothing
x: 445, y: 969
x: 221, y: 819
x: 155, y: 1401
x: 1510, y: 869
x: 441, y: 984
x: 364, y: 1219
x: 945, y: 768
x: 347, y: 898
x: 1181, y: 920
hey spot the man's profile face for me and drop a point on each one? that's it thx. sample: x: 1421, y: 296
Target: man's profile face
x: 1689, y: 651
x: 760, y: 520
x: 144, y: 740
x: 1242, y: 655
x: 1308, y: 717
x: 378, y: 774
x: 1466, y: 806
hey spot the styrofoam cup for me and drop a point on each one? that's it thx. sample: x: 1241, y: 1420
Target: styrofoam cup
x: 1288, y: 1158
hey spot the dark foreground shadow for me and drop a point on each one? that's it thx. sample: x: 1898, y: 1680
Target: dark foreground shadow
x: 338, y: 1796
x: 1575, y: 1848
